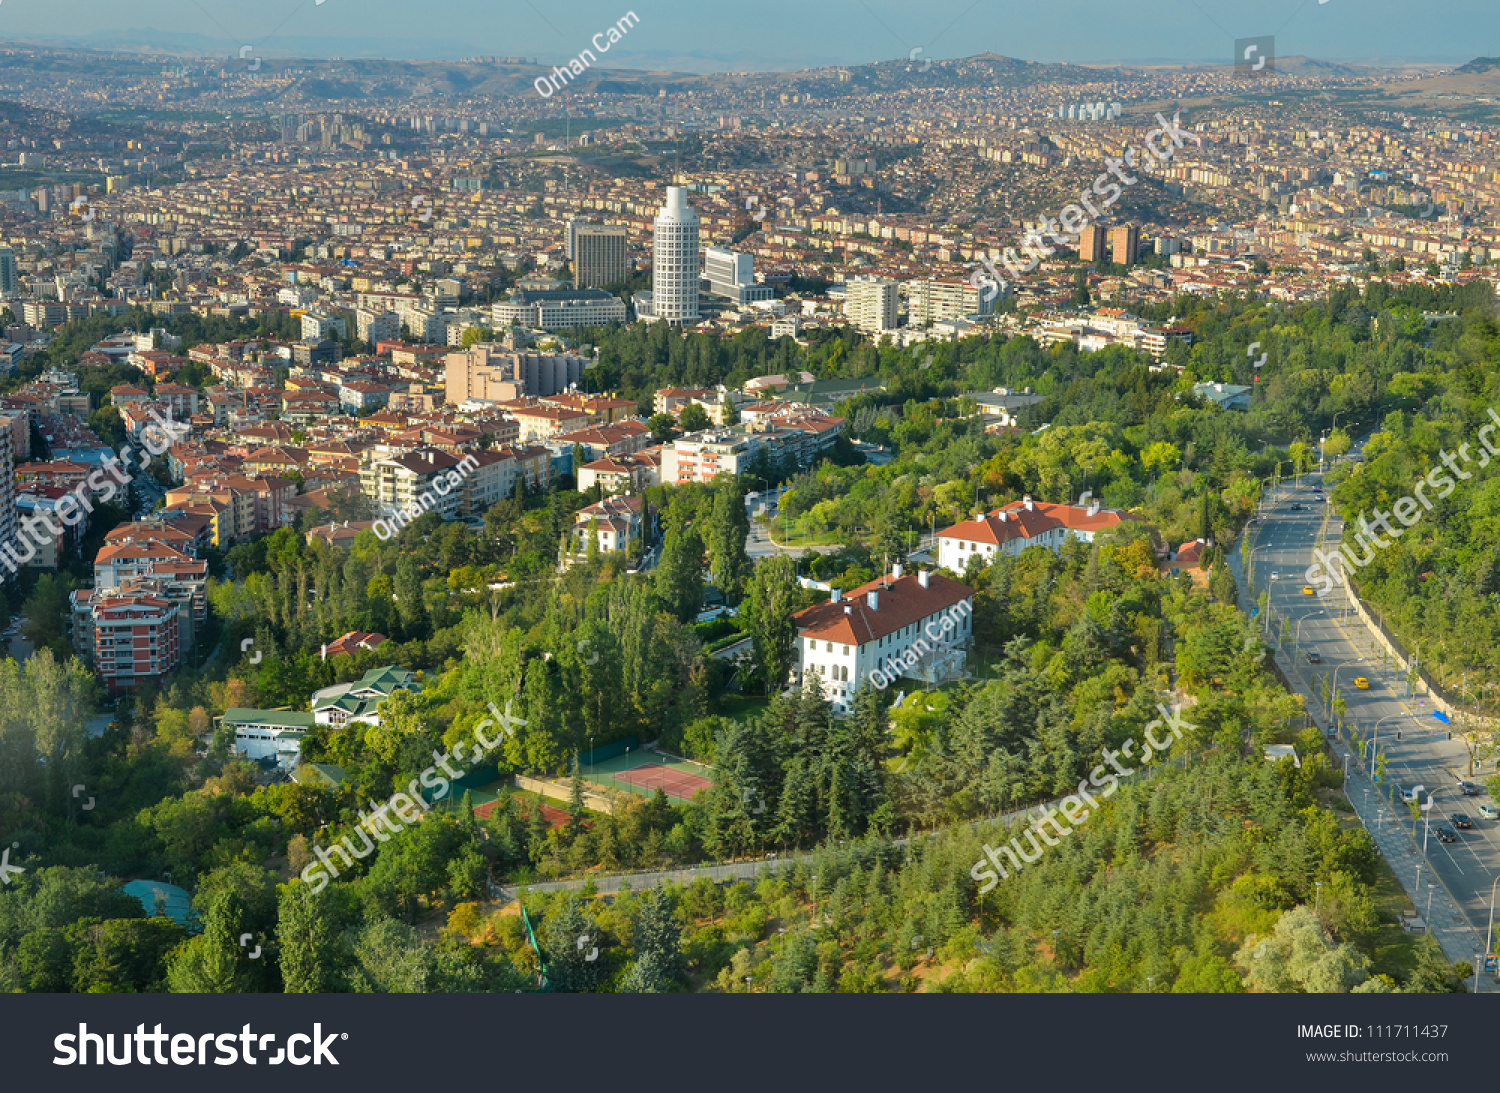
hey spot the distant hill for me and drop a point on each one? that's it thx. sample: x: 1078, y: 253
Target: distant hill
x: 1479, y: 65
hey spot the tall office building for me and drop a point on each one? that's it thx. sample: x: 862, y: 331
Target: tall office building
x: 7, y: 270
x: 674, y: 263
x: 599, y: 255
x: 732, y: 275
x: 1124, y: 244
x: 1091, y: 244
x: 871, y: 304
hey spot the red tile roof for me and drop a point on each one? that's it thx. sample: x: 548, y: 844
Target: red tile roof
x: 902, y: 602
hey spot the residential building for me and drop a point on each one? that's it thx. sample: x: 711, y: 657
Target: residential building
x: 375, y: 327
x: 1091, y: 244
x: 934, y: 300
x: 1125, y: 244
x: 418, y: 479
x: 899, y: 625
x: 134, y: 638
x: 1014, y: 527
x: 361, y: 700
x: 616, y: 522
x: 489, y: 373
x: 871, y: 304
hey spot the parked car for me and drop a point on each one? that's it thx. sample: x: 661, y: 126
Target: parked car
x: 1446, y: 835
x: 1489, y: 812
x: 1460, y: 821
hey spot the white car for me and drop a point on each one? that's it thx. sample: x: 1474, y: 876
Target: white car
x: 1275, y: 576
x: 1488, y: 812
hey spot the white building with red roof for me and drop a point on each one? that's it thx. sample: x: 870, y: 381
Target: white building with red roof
x: 915, y: 625
x: 1020, y: 524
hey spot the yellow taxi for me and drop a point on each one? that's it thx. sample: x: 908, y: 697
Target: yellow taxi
x: 1362, y: 683
x: 1307, y: 590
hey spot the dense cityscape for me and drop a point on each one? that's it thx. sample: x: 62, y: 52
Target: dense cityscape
x: 922, y: 526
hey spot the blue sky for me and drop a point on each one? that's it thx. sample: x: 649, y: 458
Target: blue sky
x: 715, y: 35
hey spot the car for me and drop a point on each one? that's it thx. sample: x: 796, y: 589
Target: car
x: 1361, y: 683
x: 1460, y: 821
x: 1275, y: 576
x: 1446, y: 835
x: 1307, y: 590
x: 1410, y: 794
x: 1297, y: 507
x: 1489, y: 812
x: 1314, y: 657
x: 1469, y: 789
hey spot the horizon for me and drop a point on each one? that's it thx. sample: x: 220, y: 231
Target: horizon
x: 673, y: 35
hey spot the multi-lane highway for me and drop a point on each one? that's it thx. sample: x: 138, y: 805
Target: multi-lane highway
x: 1456, y: 877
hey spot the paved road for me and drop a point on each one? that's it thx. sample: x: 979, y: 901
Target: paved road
x: 1464, y: 871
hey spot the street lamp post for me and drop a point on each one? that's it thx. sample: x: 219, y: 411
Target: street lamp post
x: 1297, y: 637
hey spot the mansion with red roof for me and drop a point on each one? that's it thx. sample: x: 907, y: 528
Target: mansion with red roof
x: 1020, y: 524
x: 914, y: 625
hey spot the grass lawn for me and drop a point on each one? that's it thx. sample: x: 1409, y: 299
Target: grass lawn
x: 742, y: 707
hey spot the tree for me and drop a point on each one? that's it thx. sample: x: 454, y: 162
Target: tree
x: 679, y: 577
x: 694, y: 418
x: 728, y: 529
x: 660, y: 965
x: 571, y: 943
x: 662, y: 427
x: 307, y: 930
x: 1299, y: 956
x: 214, y: 962
x: 773, y: 632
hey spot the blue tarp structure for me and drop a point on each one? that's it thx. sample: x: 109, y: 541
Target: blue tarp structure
x: 1441, y: 716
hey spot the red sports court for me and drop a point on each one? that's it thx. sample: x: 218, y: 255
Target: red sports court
x: 672, y: 782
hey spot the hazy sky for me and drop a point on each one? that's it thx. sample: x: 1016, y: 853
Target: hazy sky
x: 765, y: 34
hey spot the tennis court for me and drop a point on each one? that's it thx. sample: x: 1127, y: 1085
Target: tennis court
x: 644, y: 772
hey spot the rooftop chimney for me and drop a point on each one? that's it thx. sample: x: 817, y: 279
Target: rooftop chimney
x: 1030, y: 504
x: 872, y: 598
x: 837, y: 595
x: 922, y: 577
x: 848, y: 609
x: 896, y: 571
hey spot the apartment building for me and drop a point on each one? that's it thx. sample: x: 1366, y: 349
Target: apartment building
x: 871, y: 304
x: 397, y: 483
x: 617, y: 522
x: 934, y: 300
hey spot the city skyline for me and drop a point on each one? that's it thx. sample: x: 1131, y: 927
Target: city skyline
x: 678, y: 36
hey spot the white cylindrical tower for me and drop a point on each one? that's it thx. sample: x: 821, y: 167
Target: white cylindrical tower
x: 674, y: 260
